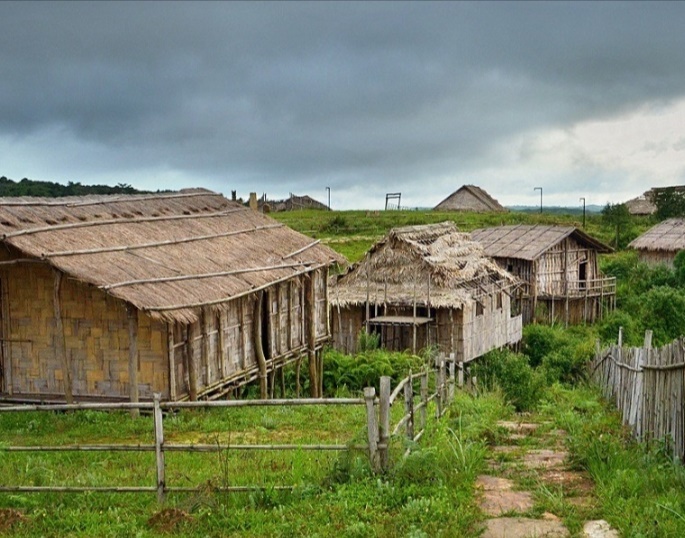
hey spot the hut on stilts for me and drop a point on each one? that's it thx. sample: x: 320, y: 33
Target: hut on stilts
x: 187, y: 294
x: 559, y: 266
x: 425, y: 286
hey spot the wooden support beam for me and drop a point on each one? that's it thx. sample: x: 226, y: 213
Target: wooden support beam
x: 6, y: 337
x: 221, y: 353
x: 310, y: 308
x: 132, y: 314
x: 60, y: 344
x: 191, y: 364
x: 259, y: 349
x: 206, y: 373
x: 171, y: 355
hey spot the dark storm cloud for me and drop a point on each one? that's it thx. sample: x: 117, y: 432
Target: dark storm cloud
x: 289, y: 95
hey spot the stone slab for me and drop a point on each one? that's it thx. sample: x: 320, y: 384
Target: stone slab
x: 544, y: 459
x: 519, y: 527
x: 599, y: 529
x: 494, y: 483
x: 496, y: 503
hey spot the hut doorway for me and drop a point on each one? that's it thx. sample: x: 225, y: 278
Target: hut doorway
x: 582, y: 275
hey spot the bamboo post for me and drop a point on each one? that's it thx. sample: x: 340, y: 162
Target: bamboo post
x: 5, y: 345
x: 566, y: 312
x: 450, y: 386
x: 259, y: 349
x: 424, y: 400
x: 205, y: 347
x: 132, y: 314
x: 171, y: 351
x: 443, y: 384
x: 159, y: 448
x: 368, y: 284
x: 270, y: 351
x: 372, y: 427
x: 311, y: 336
x: 60, y: 344
x: 409, y: 406
x: 298, y: 366
x: 384, y: 422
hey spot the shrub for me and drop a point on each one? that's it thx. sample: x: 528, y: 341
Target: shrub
x: 609, y: 326
x: 540, y: 340
x: 663, y: 311
x: 521, y: 384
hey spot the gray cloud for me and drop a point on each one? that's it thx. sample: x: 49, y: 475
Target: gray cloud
x: 282, y: 97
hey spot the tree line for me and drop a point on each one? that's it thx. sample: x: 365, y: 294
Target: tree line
x: 50, y: 189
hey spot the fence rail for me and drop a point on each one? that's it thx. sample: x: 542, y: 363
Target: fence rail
x: 648, y: 387
x: 378, y: 428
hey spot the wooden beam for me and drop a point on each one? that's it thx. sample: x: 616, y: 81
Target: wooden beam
x: 6, y: 333
x: 310, y: 307
x: 132, y: 314
x: 299, y: 251
x: 60, y: 344
x: 190, y: 362
x: 171, y: 355
x: 222, y: 355
x: 259, y: 349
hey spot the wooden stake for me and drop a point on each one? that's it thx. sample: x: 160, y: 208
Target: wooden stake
x: 384, y: 421
x: 372, y: 427
x: 132, y: 314
x: 60, y: 344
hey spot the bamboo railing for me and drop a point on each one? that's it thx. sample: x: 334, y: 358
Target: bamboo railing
x: 379, y: 435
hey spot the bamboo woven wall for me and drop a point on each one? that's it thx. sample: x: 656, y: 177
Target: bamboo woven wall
x: 95, y: 335
x: 648, y: 387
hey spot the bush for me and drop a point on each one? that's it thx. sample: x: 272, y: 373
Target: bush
x: 663, y: 311
x: 540, y: 340
x: 522, y: 385
x: 609, y: 326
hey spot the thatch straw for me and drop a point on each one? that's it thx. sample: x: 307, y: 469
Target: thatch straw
x: 667, y: 236
x: 155, y: 239
x: 529, y: 242
x: 436, y: 256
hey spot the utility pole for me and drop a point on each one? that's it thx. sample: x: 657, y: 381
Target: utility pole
x: 539, y: 189
x: 583, y: 200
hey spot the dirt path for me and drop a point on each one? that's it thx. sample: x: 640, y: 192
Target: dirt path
x: 530, y: 489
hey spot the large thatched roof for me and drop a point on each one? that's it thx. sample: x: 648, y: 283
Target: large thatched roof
x: 529, y: 242
x: 408, y: 258
x: 470, y: 198
x: 166, y: 254
x: 668, y: 236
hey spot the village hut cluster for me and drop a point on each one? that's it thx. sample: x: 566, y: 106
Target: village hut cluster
x: 188, y: 295
x: 426, y: 286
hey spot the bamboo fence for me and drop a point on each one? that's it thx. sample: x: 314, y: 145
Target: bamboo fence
x: 378, y: 428
x: 648, y: 387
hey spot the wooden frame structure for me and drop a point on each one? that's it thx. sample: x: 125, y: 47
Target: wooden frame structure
x: 188, y: 295
x: 559, y: 268
x: 426, y: 286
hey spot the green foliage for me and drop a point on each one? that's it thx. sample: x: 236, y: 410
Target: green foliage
x: 618, y: 217
x: 28, y: 187
x: 609, y: 326
x: 369, y: 341
x: 540, y: 340
x: 669, y: 203
x: 663, y: 312
x: 522, y: 385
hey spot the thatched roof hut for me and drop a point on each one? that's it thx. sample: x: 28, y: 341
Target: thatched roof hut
x: 642, y: 205
x: 180, y: 262
x: 434, y: 270
x: 559, y: 266
x: 470, y: 198
x: 661, y: 243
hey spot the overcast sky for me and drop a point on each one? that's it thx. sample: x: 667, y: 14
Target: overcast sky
x: 581, y: 99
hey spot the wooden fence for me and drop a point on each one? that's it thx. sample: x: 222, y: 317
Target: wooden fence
x: 378, y: 428
x: 648, y: 387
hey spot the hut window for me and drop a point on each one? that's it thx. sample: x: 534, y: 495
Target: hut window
x: 499, y: 300
x: 582, y: 275
x: 479, y: 308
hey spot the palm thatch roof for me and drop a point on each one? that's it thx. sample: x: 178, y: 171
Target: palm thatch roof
x: 470, y: 198
x: 433, y: 263
x: 166, y: 254
x: 668, y: 236
x: 529, y: 242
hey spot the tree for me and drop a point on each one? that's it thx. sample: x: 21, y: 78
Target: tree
x: 670, y: 202
x: 617, y: 216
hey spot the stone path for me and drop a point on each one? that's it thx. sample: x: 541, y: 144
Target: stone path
x: 530, y: 489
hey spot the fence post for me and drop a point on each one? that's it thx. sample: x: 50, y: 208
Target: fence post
x: 409, y: 406
x: 460, y: 374
x: 424, y: 400
x: 450, y: 386
x: 384, y: 422
x: 159, y: 448
x: 372, y: 427
x: 438, y: 393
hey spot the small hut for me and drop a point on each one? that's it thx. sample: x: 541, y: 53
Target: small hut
x: 560, y: 268
x: 470, y: 198
x: 188, y: 294
x: 425, y: 286
x: 642, y: 205
x: 661, y: 243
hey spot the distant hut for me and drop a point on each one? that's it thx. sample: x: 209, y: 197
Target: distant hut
x: 424, y: 286
x: 292, y: 203
x: 470, y: 198
x: 641, y: 205
x: 560, y: 267
x: 661, y: 243
x: 188, y: 295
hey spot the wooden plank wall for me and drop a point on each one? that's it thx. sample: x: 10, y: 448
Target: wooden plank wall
x: 648, y: 387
